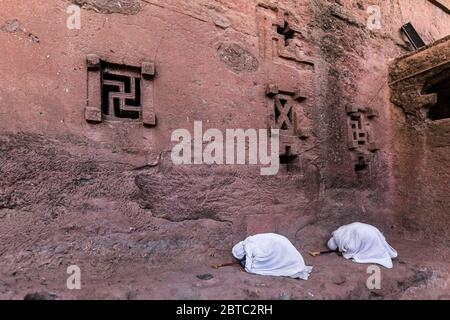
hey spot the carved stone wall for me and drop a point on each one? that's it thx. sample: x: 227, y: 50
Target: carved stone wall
x: 419, y: 85
x: 94, y: 142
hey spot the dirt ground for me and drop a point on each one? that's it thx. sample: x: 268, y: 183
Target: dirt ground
x: 420, y: 272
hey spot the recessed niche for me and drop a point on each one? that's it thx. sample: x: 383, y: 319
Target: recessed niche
x: 286, y: 32
x: 287, y: 157
x: 441, y: 110
x: 361, y: 164
x: 119, y: 92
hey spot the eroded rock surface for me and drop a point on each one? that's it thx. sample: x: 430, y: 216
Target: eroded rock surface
x: 110, y: 6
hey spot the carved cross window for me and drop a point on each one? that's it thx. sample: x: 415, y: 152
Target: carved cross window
x: 286, y: 32
x: 284, y: 113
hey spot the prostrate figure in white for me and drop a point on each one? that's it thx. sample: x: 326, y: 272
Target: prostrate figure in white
x: 362, y: 243
x: 271, y: 254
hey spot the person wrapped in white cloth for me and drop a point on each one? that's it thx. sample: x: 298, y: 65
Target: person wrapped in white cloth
x: 362, y: 243
x: 271, y: 254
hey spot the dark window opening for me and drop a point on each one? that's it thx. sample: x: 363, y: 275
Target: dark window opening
x: 287, y: 157
x: 289, y: 115
x: 121, y: 92
x: 361, y: 165
x: 356, y: 119
x: 286, y: 32
x: 277, y: 112
x: 441, y: 110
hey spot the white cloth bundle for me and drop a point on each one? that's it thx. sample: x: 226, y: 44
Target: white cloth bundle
x: 362, y: 243
x: 271, y: 254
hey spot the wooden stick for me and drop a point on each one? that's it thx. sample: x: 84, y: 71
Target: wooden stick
x: 318, y: 253
x: 218, y: 266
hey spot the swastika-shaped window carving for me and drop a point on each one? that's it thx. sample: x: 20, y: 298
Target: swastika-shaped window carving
x: 119, y: 92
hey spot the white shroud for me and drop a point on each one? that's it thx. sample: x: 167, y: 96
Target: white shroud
x: 271, y: 254
x: 362, y: 243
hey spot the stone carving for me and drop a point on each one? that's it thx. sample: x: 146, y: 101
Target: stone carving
x: 121, y: 94
x: 361, y: 141
x: 283, y: 115
x: 118, y: 92
x: 279, y: 36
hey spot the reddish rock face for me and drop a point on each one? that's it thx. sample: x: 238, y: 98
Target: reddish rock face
x: 420, y: 88
x: 87, y: 115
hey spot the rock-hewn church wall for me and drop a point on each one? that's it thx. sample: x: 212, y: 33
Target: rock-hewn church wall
x: 66, y: 150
